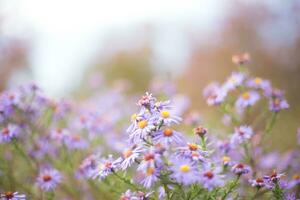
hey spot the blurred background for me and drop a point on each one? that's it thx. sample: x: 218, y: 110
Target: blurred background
x: 68, y: 46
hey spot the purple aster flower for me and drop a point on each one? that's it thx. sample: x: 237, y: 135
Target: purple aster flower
x: 149, y: 177
x: 211, y: 178
x: 214, y: 94
x: 192, y: 151
x: 258, y: 183
x: 278, y: 104
x: 9, y: 132
x: 236, y: 79
x: 105, y: 167
x: 240, y: 169
x: 168, y: 117
x: 295, y: 181
x: 129, y: 195
x: 151, y: 159
x: 290, y: 196
x: 142, y: 130
x: 75, y: 141
x: 247, y: 99
x: 48, y: 179
x: 272, y: 179
x: 12, y: 196
x: 184, y: 171
x: 241, y: 134
x: 129, y: 156
x: 88, y: 166
x: 259, y: 83
x: 168, y: 136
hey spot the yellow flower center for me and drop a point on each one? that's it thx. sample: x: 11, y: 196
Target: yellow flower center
x: 127, y: 153
x: 257, y: 81
x: 192, y: 146
x: 226, y: 159
x: 165, y: 113
x: 184, y: 168
x: 150, y: 171
x: 246, y: 96
x: 142, y: 124
x: 168, y: 132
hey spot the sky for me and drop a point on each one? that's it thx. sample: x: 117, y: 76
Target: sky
x: 67, y: 34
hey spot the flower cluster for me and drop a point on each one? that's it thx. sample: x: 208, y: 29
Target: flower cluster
x: 88, y: 150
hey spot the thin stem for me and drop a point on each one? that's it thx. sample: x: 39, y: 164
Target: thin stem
x: 232, y: 186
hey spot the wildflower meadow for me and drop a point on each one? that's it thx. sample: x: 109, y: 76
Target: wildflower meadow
x: 115, y: 145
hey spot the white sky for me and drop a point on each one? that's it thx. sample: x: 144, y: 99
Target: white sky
x: 66, y: 34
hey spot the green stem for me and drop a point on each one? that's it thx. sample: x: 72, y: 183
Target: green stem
x: 127, y: 181
x: 232, y: 186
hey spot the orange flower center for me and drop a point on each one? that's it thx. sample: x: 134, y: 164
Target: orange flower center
x: 209, y: 174
x: 168, y: 132
x: 47, y: 178
x: 257, y: 81
x: 246, y: 96
x: 150, y: 171
x: 9, y: 195
x: 192, y: 146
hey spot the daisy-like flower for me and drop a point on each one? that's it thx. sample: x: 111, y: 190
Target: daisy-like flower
x: 258, y: 183
x: 129, y: 156
x: 247, y: 99
x: 88, y: 166
x: 184, y: 171
x: 151, y: 159
x: 105, y: 167
x: 214, y: 94
x: 149, y: 178
x: 12, y: 196
x: 295, y: 181
x: 211, y: 178
x: 8, y: 133
x: 236, y: 79
x: 143, y: 128
x: 200, y: 131
x: 193, y: 152
x: 129, y: 195
x: 277, y: 104
x: 168, y: 117
x: 241, y: 134
x: 272, y: 179
x: 147, y: 101
x: 168, y: 136
x: 48, y: 179
x: 226, y: 161
x: 259, y: 83
x: 75, y: 141
x: 240, y: 169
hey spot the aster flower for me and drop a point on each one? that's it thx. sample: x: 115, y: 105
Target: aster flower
x: 278, y: 104
x: 143, y: 128
x: 129, y: 195
x: 259, y: 83
x: 214, y: 94
x: 184, y: 171
x: 272, y: 180
x: 236, y: 79
x: 75, y: 141
x: 247, y: 99
x: 211, y: 178
x: 226, y: 161
x: 147, y: 101
x: 48, y: 179
x: 192, y: 151
x: 295, y: 181
x: 12, y: 196
x: 149, y: 178
x: 241, y: 134
x: 9, y: 132
x: 129, y: 156
x: 88, y: 166
x: 240, y: 169
x: 258, y: 183
x: 200, y: 131
x: 105, y: 167
x: 168, y: 136
x: 151, y: 159
x: 168, y: 118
